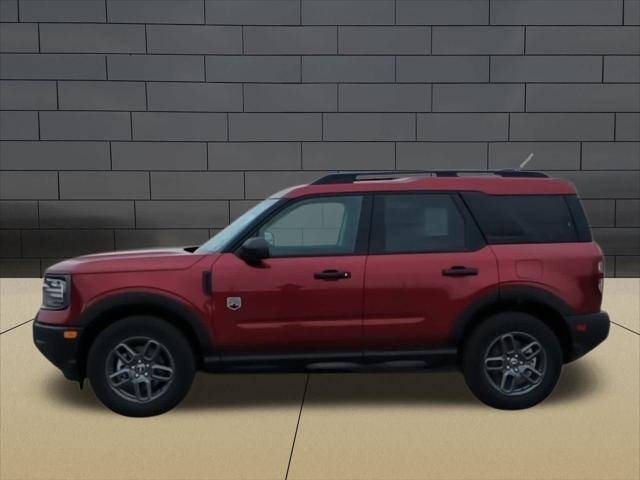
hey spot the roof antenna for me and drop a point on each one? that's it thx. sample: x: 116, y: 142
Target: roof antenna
x: 526, y: 160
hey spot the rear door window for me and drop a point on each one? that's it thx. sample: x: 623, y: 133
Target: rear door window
x: 523, y: 218
x: 418, y: 222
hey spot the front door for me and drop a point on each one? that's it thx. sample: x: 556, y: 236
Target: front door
x: 428, y: 262
x: 308, y: 295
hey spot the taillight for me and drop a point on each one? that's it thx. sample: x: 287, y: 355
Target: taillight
x: 601, y: 275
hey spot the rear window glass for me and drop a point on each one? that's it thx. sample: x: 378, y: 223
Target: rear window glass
x: 524, y: 218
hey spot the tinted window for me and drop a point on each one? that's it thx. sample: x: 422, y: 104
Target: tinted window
x: 316, y: 226
x: 417, y: 222
x: 579, y: 218
x: 523, y: 218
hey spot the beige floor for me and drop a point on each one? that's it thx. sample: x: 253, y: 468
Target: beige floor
x: 368, y: 426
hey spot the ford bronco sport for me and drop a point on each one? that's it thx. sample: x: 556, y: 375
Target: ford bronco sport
x: 493, y: 272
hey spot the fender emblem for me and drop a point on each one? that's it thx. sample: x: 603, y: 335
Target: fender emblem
x: 234, y: 303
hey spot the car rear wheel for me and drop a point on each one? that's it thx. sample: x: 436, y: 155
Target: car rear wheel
x: 141, y: 366
x: 512, y: 361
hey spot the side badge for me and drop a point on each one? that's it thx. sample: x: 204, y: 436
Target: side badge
x: 234, y: 303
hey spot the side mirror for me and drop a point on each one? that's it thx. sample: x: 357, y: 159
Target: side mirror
x: 254, y: 250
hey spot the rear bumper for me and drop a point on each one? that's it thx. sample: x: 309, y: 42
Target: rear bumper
x: 587, y: 332
x: 60, y: 351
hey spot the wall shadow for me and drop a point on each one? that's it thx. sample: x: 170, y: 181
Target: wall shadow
x: 238, y: 391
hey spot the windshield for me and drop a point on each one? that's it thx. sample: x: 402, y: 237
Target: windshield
x: 222, y: 238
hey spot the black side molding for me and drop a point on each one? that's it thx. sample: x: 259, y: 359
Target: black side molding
x: 131, y: 302
x: 508, y: 296
x: 207, y: 283
x: 587, y: 332
x: 400, y: 360
x: 57, y: 349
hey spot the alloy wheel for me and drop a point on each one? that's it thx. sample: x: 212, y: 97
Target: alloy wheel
x: 139, y: 369
x: 515, y: 363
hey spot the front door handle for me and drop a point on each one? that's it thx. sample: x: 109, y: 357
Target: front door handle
x: 332, y: 275
x: 459, y: 271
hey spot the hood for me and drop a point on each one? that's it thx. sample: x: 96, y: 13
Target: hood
x: 128, y: 261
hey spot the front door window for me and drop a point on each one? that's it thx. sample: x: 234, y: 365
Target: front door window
x: 314, y: 227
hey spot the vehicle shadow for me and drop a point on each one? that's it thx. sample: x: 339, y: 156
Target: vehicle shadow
x: 237, y: 391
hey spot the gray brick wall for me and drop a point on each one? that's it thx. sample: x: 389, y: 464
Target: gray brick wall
x: 133, y: 123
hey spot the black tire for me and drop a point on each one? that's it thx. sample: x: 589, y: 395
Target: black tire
x: 173, y: 358
x: 496, y: 386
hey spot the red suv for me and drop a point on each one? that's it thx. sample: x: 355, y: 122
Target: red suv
x: 494, y: 272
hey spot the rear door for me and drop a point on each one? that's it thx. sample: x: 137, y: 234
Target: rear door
x: 427, y: 263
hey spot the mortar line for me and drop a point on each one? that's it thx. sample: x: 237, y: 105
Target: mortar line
x: 15, y: 326
x: 581, y: 160
x: 395, y: 155
x: 304, y: 394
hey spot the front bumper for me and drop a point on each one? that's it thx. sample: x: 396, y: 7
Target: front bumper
x: 586, y: 332
x: 60, y: 351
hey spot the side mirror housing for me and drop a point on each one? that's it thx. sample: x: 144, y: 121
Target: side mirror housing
x: 254, y: 250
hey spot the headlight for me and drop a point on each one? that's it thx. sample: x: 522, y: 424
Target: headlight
x: 55, y: 291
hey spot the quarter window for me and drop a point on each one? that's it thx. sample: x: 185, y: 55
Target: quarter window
x: 524, y: 218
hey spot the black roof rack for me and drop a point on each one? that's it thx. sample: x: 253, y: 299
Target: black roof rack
x: 351, y: 177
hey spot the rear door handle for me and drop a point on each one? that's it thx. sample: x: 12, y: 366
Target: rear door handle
x: 459, y: 271
x: 332, y: 275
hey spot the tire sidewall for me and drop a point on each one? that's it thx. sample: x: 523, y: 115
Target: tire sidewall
x: 485, y: 334
x: 154, y: 328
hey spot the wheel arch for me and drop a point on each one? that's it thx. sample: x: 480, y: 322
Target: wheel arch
x: 544, y: 305
x: 116, y: 307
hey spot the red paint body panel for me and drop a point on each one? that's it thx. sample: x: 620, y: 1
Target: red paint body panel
x: 567, y: 270
x: 163, y: 259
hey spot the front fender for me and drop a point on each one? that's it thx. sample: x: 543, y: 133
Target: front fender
x: 119, y: 304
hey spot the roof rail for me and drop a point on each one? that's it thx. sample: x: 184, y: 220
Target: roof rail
x: 351, y: 177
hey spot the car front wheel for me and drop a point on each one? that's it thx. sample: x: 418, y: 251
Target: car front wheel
x: 141, y: 366
x: 512, y: 361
